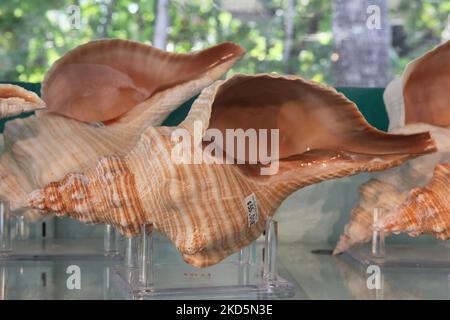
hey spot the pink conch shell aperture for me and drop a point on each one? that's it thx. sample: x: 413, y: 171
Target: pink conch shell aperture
x: 45, y: 147
x: 15, y: 100
x: 425, y: 88
x: 201, y: 207
x: 418, y: 101
x: 425, y: 211
x: 102, y: 80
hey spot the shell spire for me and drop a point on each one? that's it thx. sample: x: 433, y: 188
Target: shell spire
x: 374, y: 194
x: 425, y: 211
x: 201, y: 207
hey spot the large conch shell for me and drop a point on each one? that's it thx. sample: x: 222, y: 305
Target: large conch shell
x: 45, y: 147
x: 387, y: 190
x: 200, y: 206
x: 425, y: 211
x: 421, y: 94
x: 15, y: 100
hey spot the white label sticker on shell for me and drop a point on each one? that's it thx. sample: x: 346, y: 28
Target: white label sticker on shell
x: 252, y: 209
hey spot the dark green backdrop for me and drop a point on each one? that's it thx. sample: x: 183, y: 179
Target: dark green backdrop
x: 368, y: 100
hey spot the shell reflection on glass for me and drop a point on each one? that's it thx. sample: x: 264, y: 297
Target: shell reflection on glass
x: 127, y: 85
x: 201, y: 206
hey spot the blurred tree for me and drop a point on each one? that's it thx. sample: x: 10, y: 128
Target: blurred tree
x: 161, y: 24
x: 423, y: 25
x: 289, y: 32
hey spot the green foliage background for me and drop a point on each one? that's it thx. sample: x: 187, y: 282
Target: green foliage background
x: 34, y: 33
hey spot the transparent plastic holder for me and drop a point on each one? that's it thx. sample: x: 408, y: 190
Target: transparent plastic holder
x: 16, y: 243
x: 108, y: 248
x: 378, y: 240
x: 153, y: 269
x: 3, y: 284
x: 22, y: 229
x: 410, y: 255
x: 5, y: 229
x: 111, y: 241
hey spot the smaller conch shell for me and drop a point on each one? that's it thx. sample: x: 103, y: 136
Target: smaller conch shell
x: 426, y: 210
x: 388, y: 189
x: 421, y: 94
x: 15, y: 100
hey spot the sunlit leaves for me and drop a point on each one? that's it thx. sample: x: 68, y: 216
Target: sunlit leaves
x: 425, y: 23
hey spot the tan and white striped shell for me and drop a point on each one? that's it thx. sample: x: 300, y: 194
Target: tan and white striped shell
x: 425, y: 211
x: 45, y: 147
x: 200, y: 207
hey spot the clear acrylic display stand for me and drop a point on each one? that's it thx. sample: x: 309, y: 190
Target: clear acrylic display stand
x: 5, y: 230
x: 411, y: 255
x: 16, y: 243
x: 154, y: 269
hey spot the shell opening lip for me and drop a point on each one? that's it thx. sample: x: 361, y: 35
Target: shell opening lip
x: 428, y: 103
x: 261, y: 109
x: 13, y: 91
